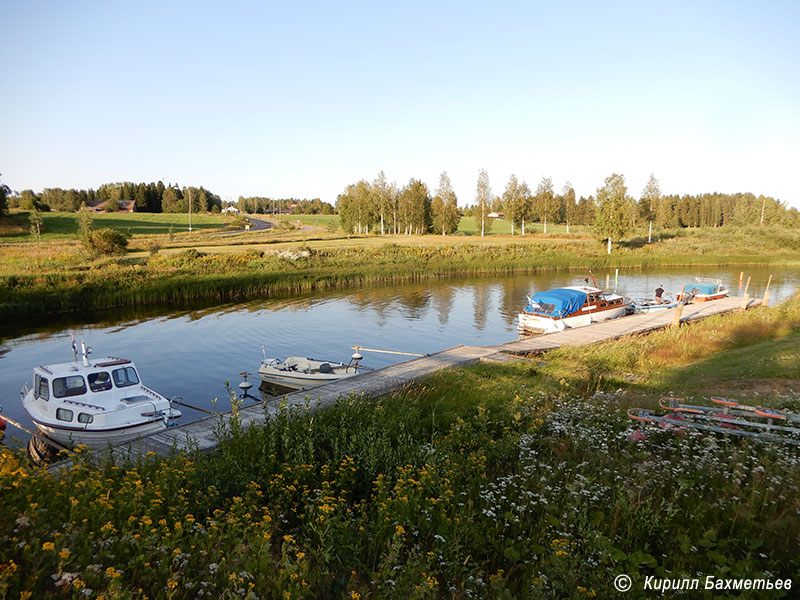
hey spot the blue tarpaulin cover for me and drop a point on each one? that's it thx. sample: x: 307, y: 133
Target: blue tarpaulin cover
x: 701, y: 288
x: 559, y: 302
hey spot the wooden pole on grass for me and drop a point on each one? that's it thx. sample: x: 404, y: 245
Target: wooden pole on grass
x: 765, y: 301
x: 676, y: 320
x: 746, y: 297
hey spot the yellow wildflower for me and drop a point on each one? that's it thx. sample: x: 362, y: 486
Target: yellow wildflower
x: 47, y: 546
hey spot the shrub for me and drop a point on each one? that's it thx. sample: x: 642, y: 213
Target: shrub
x: 152, y: 246
x: 106, y: 241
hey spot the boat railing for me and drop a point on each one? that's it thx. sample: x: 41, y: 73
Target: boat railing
x: 151, y: 393
x: 76, y: 403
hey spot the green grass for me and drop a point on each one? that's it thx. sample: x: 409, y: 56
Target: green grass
x: 472, y: 226
x: 494, y: 481
x: 324, y: 221
x: 722, y: 355
x: 62, y: 225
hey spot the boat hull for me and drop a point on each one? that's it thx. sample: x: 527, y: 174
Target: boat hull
x: 535, y: 323
x: 100, y: 439
x: 705, y: 297
x: 299, y: 381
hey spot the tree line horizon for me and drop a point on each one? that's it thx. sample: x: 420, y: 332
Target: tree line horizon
x: 382, y: 207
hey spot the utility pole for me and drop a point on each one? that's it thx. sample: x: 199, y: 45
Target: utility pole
x: 189, y: 196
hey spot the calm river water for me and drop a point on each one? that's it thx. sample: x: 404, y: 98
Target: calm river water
x: 191, y: 353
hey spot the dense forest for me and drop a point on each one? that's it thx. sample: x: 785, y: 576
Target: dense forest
x: 145, y: 197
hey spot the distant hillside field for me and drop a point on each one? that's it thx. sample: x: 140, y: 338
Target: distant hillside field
x: 65, y: 224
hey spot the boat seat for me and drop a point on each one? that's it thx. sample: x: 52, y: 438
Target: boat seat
x: 296, y: 363
x: 325, y: 368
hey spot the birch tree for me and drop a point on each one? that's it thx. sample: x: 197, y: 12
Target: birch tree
x: 445, y: 207
x: 483, y: 198
x: 545, y: 201
x: 512, y: 200
x: 612, y: 209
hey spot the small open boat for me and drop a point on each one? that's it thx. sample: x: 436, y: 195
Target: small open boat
x: 96, y: 403
x: 647, y: 305
x: 558, y: 309
x: 299, y: 373
x: 702, y: 290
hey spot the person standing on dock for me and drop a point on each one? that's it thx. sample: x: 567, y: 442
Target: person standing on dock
x: 659, y: 293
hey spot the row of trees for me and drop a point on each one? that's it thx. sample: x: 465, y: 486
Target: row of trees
x: 258, y: 205
x: 145, y: 197
x: 664, y: 211
x: 380, y: 206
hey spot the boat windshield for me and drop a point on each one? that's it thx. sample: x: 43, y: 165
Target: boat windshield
x: 125, y: 377
x: 99, y: 382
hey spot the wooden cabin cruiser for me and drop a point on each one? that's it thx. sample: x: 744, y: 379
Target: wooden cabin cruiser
x: 96, y: 403
x: 702, y: 290
x: 299, y: 373
x: 558, y: 309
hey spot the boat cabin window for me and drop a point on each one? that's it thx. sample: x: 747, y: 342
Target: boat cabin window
x: 41, y: 388
x: 594, y: 297
x: 85, y: 418
x: 64, y: 387
x: 125, y: 377
x: 64, y: 414
x: 99, y: 382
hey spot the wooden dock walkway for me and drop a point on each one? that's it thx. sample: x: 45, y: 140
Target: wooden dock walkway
x: 200, y: 434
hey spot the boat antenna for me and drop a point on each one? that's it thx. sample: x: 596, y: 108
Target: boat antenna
x: 263, y: 351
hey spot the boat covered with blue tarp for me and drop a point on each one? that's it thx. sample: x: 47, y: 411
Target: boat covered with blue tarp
x: 557, y: 303
x: 560, y: 308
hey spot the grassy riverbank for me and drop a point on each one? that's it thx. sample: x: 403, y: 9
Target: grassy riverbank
x: 496, y: 481
x: 57, y: 276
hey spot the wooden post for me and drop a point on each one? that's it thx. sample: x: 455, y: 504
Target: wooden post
x: 616, y: 277
x: 746, y: 297
x: 765, y: 301
x: 676, y: 320
x: 650, y: 233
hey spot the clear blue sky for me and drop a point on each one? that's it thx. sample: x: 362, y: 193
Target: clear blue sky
x: 298, y: 99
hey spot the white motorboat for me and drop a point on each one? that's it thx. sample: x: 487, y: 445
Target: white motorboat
x: 299, y: 373
x: 97, y: 403
x: 558, y: 309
